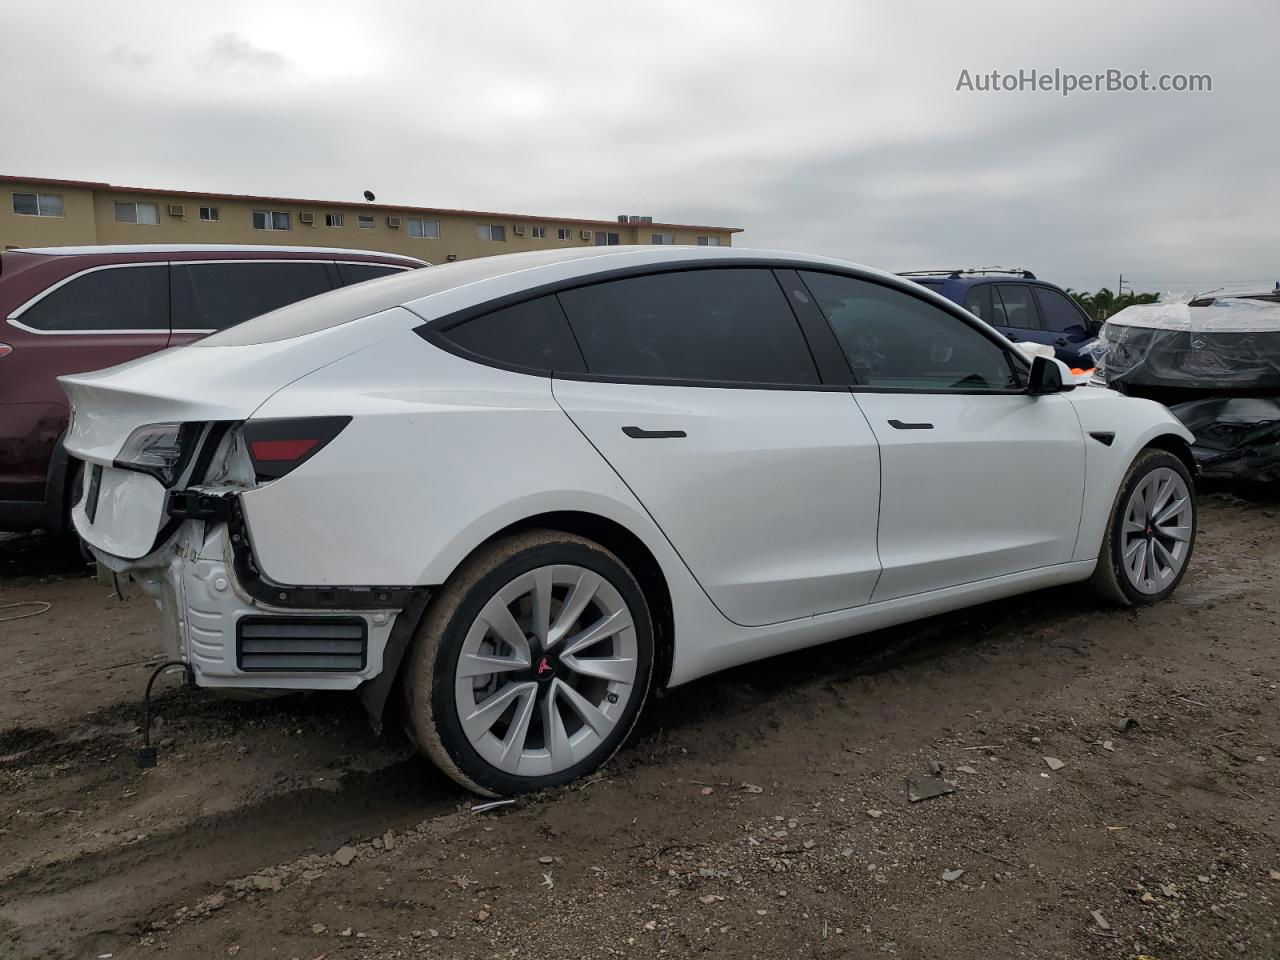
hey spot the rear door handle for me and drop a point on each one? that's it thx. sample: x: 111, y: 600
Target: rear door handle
x: 903, y: 425
x: 636, y: 433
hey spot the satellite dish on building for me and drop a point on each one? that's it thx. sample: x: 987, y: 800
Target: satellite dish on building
x: 368, y: 195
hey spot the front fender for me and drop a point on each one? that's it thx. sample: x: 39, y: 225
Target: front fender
x: 1133, y: 425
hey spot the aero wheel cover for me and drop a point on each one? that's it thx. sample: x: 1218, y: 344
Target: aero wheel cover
x: 546, y: 670
x: 1156, y: 531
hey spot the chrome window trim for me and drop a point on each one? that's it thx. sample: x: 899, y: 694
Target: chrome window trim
x: 376, y: 263
x: 12, y: 319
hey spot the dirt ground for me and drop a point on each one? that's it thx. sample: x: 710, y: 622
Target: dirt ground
x: 759, y: 813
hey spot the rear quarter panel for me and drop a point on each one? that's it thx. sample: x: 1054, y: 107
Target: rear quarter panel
x: 441, y: 454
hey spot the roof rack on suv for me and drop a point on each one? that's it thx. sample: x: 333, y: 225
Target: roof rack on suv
x: 977, y: 271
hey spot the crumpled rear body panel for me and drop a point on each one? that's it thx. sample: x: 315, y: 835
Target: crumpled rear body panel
x: 1237, y: 438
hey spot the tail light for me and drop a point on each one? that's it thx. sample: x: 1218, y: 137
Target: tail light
x: 5, y: 349
x: 277, y: 447
x: 160, y: 449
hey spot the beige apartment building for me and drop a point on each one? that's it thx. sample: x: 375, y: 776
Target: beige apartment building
x: 36, y: 212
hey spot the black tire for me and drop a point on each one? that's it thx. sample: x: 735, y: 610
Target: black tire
x: 1109, y: 578
x: 431, y: 714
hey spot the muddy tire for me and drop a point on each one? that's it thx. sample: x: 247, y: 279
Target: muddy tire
x: 1151, y: 532
x: 531, y: 665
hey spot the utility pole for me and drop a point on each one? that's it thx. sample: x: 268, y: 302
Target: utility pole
x: 1120, y: 287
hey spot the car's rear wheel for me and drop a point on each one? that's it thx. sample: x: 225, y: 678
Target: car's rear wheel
x: 531, y: 665
x: 1151, y: 533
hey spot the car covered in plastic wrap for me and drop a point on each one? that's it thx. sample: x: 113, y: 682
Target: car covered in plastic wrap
x: 1189, y: 346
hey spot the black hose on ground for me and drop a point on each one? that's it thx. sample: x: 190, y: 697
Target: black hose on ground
x: 146, y: 755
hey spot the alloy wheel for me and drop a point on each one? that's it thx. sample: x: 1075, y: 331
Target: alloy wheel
x: 546, y: 670
x: 1156, y: 531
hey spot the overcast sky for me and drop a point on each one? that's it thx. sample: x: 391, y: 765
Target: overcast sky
x: 831, y: 128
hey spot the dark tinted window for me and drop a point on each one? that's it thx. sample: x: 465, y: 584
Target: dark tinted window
x: 116, y: 298
x: 978, y: 302
x: 530, y: 334
x: 725, y: 325
x: 1059, y: 312
x: 896, y: 340
x: 360, y: 272
x: 214, y: 296
x: 1013, y: 306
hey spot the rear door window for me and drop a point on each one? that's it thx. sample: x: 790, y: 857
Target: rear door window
x: 533, y: 334
x: 978, y: 302
x: 719, y: 325
x: 123, y: 299
x: 214, y: 296
x: 360, y: 272
x: 1060, y: 312
x: 1014, y: 306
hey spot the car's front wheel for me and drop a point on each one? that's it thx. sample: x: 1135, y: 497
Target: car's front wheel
x: 531, y: 665
x: 1151, y: 531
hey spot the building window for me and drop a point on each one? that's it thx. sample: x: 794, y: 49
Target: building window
x: 662, y: 238
x: 708, y: 241
x: 270, y: 220
x: 426, y: 229
x: 137, y: 213
x: 37, y: 204
x: 334, y: 219
x: 366, y: 223
x: 212, y: 214
x: 605, y: 239
x: 564, y: 233
x: 539, y: 233
x: 494, y: 231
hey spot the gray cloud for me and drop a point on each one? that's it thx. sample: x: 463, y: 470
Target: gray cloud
x: 823, y: 127
x: 123, y: 55
x: 232, y: 53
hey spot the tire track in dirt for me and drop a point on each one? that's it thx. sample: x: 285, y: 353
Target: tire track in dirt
x: 59, y: 905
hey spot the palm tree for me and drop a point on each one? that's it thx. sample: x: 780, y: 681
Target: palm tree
x: 1104, y: 303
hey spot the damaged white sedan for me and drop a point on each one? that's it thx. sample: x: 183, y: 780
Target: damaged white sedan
x: 526, y: 491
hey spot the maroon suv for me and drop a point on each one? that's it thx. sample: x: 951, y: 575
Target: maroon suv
x: 73, y: 309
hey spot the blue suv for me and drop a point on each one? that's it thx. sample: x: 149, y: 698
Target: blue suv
x: 1022, y: 308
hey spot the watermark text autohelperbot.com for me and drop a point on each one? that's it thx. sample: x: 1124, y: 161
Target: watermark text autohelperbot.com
x: 1065, y: 83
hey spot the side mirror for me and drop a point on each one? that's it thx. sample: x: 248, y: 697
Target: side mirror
x: 1050, y: 375
x: 1095, y: 326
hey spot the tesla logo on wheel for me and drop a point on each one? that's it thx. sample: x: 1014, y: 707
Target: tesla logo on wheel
x: 544, y: 667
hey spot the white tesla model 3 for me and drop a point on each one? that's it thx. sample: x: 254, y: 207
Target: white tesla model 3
x: 527, y: 490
